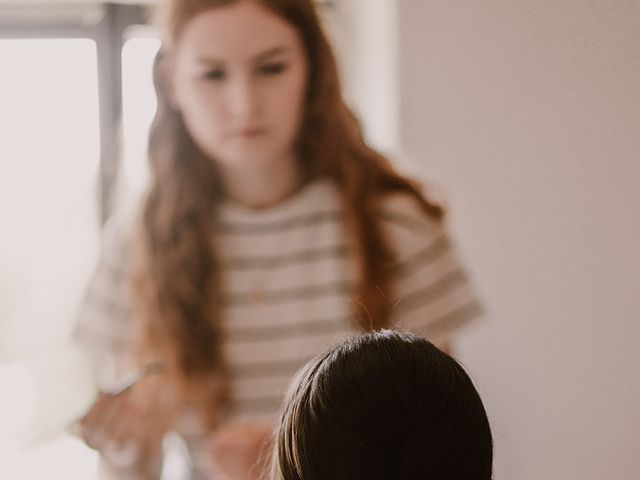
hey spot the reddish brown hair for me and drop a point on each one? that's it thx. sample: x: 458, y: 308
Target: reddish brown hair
x: 178, y: 278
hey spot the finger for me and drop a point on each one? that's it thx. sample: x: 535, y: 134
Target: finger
x: 128, y: 425
x: 96, y: 410
x: 123, y: 454
x: 95, y: 426
x: 87, y: 427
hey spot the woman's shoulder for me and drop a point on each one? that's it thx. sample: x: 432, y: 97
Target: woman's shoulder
x: 432, y: 293
x: 406, y: 219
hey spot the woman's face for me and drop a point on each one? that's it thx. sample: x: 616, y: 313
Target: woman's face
x: 239, y: 76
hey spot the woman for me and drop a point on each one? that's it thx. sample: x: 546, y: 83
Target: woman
x: 379, y: 406
x: 269, y: 228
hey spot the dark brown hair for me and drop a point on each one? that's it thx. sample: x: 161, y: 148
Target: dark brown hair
x: 178, y: 277
x: 384, y: 405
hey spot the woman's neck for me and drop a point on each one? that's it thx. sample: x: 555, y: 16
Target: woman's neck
x: 261, y: 185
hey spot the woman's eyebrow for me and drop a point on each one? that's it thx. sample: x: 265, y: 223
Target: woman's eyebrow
x: 272, y: 52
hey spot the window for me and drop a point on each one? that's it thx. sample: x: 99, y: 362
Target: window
x: 50, y: 152
x: 60, y: 102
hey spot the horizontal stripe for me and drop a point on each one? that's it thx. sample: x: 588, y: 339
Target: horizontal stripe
x: 409, y: 222
x: 279, y: 350
x: 113, y: 281
x: 422, y: 258
x: 431, y: 292
x: 445, y: 322
x: 322, y: 272
x: 115, y: 271
x: 287, y: 295
x: 422, y: 317
x: 290, y: 258
x: 274, y: 369
x: 105, y: 339
x: 295, y: 329
x: 258, y: 386
x: 259, y: 404
x: 458, y: 317
x: 106, y: 305
x: 297, y: 221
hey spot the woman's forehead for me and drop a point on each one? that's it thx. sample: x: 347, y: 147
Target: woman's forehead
x: 242, y: 30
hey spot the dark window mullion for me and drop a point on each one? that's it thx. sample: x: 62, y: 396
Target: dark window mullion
x: 110, y: 40
x: 109, y: 45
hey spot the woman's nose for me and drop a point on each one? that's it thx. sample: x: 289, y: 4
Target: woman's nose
x: 242, y: 97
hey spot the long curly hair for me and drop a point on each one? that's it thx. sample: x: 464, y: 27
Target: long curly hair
x: 178, y: 277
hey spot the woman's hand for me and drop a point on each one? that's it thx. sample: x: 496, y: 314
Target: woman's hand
x: 236, y: 450
x: 123, y: 428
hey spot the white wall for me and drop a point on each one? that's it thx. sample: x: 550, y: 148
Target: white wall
x: 365, y: 35
x: 529, y: 113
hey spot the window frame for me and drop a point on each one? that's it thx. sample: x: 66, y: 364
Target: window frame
x: 108, y: 32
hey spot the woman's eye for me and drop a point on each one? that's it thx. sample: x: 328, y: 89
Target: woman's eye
x: 214, y: 75
x: 272, y: 68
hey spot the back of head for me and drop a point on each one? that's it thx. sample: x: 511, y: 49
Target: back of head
x: 384, y: 405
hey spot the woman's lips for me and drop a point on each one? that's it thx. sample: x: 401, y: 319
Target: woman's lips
x: 251, y: 132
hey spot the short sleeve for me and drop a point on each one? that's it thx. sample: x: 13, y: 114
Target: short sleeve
x: 432, y: 293
x: 104, y: 320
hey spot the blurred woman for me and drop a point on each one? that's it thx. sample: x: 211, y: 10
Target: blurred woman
x: 269, y: 228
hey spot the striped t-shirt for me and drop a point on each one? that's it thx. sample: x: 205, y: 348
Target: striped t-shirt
x: 288, y: 282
